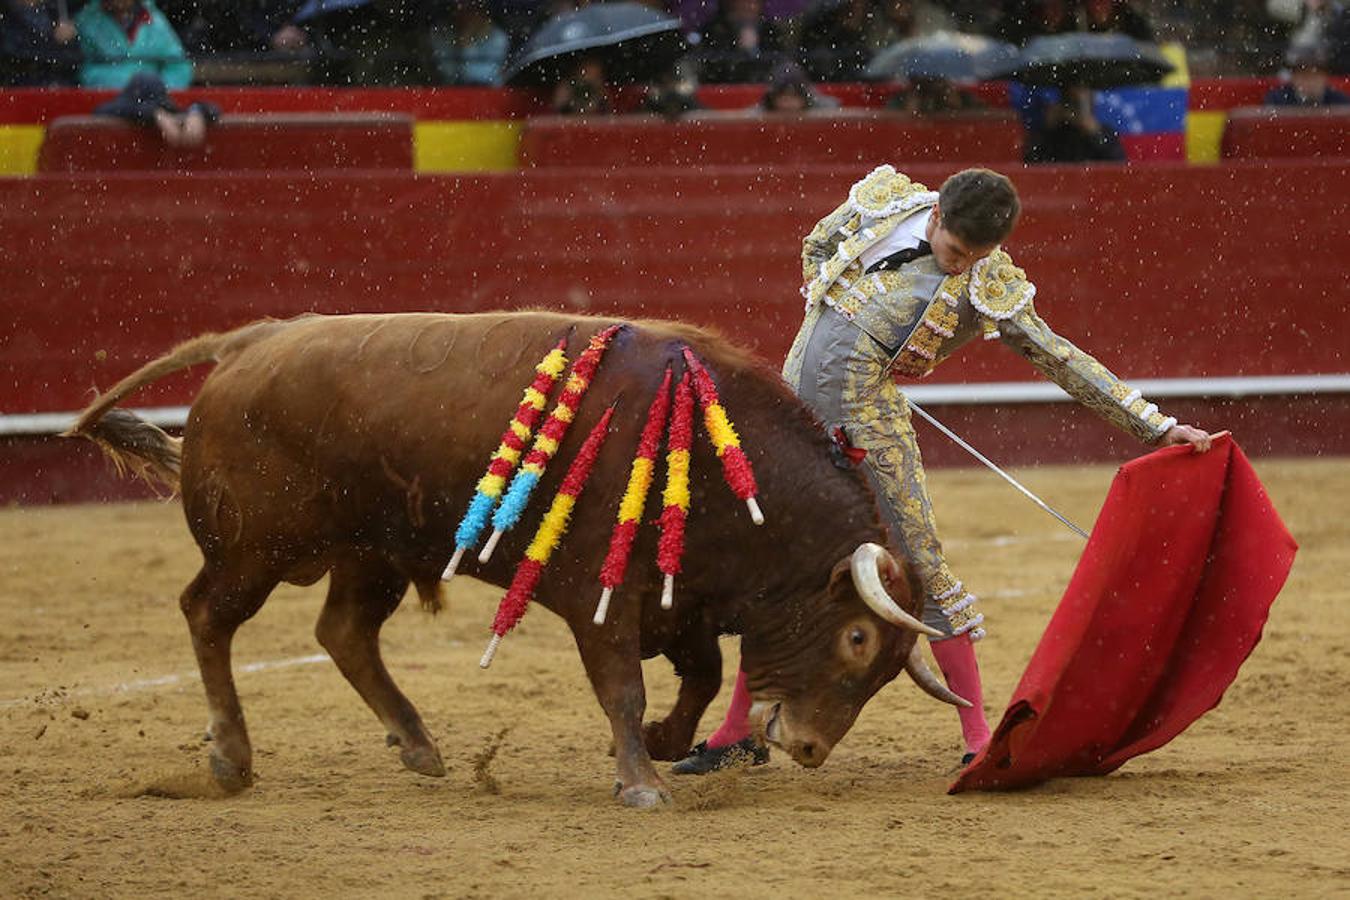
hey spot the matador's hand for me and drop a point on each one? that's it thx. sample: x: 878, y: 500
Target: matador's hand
x: 1185, y: 434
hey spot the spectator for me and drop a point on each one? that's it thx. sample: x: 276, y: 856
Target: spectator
x: 933, y: 96
x: 37, y: 45
x: 739, y: 44
x: 122, y: 37
x: 675, y: 92
x: 1023, y: 20
x: 834, y: 39
x: 468, y: 49
x: 838, y: 37
x: 902, y: 19
x: 1072, y: 133
x: 584, y: 93
x: 145, y: 102
x: 386, y: 42
x: 253, y: 26
x: 1325, y: 24
x: 1116, y: 16
x: 1307, y: 82
x: 790, y: 91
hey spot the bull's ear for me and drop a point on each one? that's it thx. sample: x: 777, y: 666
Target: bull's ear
x: 841, y: 577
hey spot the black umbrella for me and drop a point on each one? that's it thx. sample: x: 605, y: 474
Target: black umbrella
x: 633, y: 42
x: 315, y: 9
x: 1088, y: 60
x: 943, y: 54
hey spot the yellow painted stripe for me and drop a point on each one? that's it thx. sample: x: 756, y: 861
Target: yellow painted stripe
x: 553, y: 364
x: 19, y: 149
x: 491, y: 485
x: 639, y: 481
x: 719, y: 427
x: 1204, y: 135
x: 677, y: 479
x: 551, y: 528
x: 455, y: 146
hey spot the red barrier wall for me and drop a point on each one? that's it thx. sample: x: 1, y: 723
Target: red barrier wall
x: 1159, y: 271
x: 1287, y: 132
x: 848, y: 137
x: 309, y: 142
x: 41, y: 105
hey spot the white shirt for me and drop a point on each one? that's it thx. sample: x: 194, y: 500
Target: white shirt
x: 906, y: 236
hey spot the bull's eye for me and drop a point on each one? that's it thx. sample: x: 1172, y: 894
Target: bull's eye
x: 858, y: 637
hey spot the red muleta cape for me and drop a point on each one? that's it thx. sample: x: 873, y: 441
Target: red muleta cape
x: 1168, y: 600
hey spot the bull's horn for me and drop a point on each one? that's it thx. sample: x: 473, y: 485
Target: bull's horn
x: 866, y: 565
x: 924, y: 678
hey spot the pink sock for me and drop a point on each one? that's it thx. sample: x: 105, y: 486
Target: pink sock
x: 736, y: 726
x: 956, y: 658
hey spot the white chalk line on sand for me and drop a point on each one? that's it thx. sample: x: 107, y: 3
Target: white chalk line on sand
x: 146, y: 684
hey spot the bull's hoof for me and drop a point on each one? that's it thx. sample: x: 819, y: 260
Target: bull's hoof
x: 231, y: 777
x: 641, y: 796
x: 423, y: 761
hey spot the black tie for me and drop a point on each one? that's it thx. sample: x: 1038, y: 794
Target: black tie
x: 896, y: 260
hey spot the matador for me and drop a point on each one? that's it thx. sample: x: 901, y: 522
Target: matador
x: 895, y: 280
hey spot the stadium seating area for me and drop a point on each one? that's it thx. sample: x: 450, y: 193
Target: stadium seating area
x: 288, y: 212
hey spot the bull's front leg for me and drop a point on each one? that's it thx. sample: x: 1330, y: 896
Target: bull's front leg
x: 698, y: 662
x: 615, y: 671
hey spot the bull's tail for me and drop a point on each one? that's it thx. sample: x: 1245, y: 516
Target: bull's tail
x: 133, y: 443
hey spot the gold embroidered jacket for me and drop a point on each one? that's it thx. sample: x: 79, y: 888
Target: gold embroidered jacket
x: 919, y: 316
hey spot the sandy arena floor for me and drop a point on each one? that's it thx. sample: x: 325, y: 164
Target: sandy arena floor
x: 101, y: 716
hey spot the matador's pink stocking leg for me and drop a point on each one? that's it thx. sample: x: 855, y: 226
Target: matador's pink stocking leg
x: 956, y: 658
x: 736, y: 726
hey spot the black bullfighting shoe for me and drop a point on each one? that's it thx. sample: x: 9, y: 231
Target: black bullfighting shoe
x: 704, y: 759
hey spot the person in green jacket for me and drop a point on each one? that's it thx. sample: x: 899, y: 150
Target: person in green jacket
x: 122, y: 37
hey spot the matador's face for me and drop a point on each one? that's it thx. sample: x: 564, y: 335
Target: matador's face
x: 952, y: 254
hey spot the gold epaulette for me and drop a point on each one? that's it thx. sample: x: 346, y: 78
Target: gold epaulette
x: 878, y: 202
x: 885, y: 192
x: 999, y: 290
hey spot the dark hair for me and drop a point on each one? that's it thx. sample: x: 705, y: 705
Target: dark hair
x: 979, y: 206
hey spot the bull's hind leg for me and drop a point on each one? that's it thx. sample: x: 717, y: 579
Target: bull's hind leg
x: 363, y: 592
x: 698, y: 662
x: 216, y: 603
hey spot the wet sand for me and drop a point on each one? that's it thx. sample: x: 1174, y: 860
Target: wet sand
x: 106, y: 792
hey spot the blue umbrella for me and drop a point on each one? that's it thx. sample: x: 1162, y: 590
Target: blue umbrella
x: 1088, y: 60
x: 944, y: 54
x: 634, y: 43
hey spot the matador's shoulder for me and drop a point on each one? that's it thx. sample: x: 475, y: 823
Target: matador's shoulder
x: 999, y: 290
x: 885, y: 192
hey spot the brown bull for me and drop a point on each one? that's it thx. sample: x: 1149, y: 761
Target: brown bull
x: 351, y: 446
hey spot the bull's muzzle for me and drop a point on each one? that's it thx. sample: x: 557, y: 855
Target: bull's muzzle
x: 771, y: 725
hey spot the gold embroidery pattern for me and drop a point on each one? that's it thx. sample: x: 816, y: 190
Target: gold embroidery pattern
x: 920, y: 353
x: 998, y: 290
x: 876, y: 206
x: 876, y: 418
x: 884, y: 192
x: 1084, y: 378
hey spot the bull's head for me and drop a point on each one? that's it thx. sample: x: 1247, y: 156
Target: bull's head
x: 811, y: 678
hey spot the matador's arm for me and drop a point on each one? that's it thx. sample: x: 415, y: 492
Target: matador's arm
x: 820, y: 244
x: 1086, y: 380
x: 1002, y: 295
